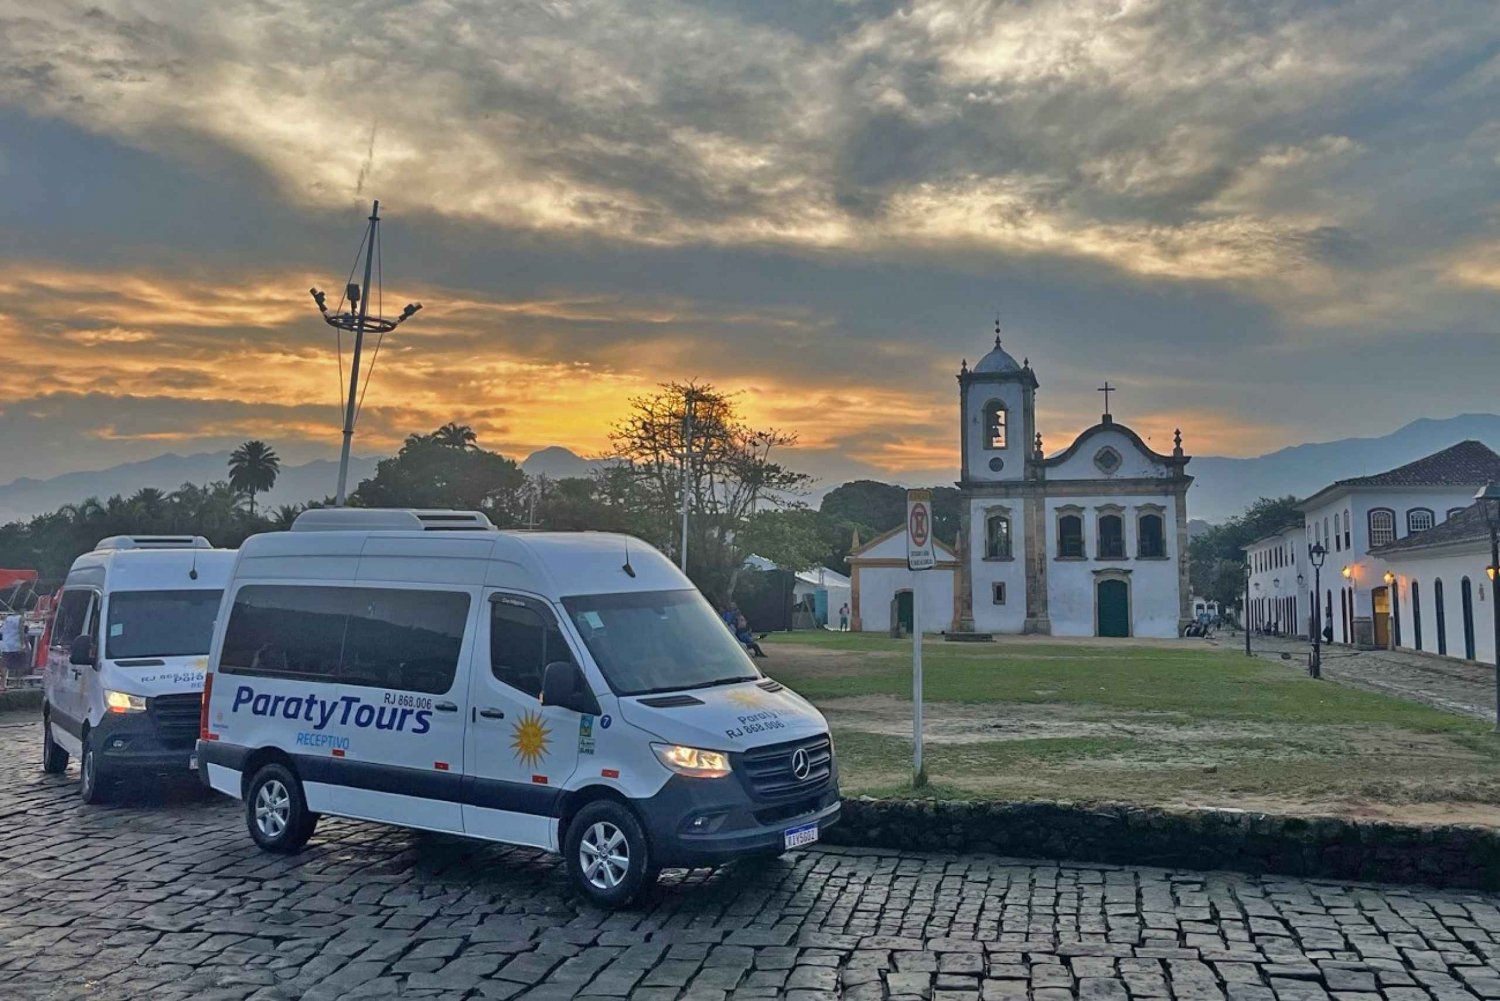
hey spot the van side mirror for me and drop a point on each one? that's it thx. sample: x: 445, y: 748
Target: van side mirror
x: 563, y: 686
x: 81, y: 652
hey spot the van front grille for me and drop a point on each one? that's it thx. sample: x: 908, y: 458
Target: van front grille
x: 176, y: 717
x: 770, y: 773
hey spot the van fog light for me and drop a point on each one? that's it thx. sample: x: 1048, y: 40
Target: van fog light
x: 118, y: 743
x: 704, y: 823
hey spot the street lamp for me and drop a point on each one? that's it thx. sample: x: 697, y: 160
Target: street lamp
x: 1315, y: 555
x: 1489, y: 503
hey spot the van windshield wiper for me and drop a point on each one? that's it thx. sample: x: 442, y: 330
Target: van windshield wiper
x: 702, y: 684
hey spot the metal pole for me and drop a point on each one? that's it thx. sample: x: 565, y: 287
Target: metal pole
x: 687, y: 458
x: 359, y: 343
x: 1495, y: 613
x: 1317, y: 658
x: 918, y: 774
x: 1246, y: 623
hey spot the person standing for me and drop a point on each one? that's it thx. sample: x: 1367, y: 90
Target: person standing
x: 844, y: 617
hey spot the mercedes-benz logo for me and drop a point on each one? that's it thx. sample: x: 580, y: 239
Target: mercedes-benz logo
x: 801, y: 763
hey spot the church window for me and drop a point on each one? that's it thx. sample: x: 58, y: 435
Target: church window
x: 997, y: 592
x: 1111, y: 537
x: 1382, y: 526
x: 1108, y: 460
x: 1418, y: 519
x: 997, y: 537
x: 1151, y: 539
x: 1070, y: 536
x: 994, y: 424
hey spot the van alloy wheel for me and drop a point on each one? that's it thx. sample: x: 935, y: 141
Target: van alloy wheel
x: 273, y: 808
x: 604, y: 855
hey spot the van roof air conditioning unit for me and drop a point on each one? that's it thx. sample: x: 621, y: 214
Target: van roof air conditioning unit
x: 355, y: 519
x: 153, y: 542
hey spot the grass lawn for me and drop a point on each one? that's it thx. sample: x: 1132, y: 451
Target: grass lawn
x: 1172, y: 723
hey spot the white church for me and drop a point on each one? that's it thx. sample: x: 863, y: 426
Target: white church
x: 1091, y: 541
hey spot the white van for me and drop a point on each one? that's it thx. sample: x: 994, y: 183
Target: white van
x: 127, y: 657
x: 568, y: 691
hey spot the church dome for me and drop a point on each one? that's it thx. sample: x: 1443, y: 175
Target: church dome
x: 997, y: 361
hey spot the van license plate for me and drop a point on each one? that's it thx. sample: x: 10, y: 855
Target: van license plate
x: 799, y: 836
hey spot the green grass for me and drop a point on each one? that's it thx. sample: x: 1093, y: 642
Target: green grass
x: 1138, y: 723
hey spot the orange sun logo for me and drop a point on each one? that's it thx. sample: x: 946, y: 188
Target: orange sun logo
x: 748, y: 697
x: 529, y: 738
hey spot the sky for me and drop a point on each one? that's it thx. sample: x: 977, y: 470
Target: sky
x: 1265, y: 223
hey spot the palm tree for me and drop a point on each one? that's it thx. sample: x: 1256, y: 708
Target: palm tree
x: 285, y: 515
x: 252, y: 468
x: 456, y: 436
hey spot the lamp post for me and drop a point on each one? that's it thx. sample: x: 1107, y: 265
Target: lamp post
x: 1316, y: 554
x: 1246, y: 623
x: 1489, y: 502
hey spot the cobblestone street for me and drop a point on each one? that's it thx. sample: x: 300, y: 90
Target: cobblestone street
x: 165, y: 897
x: 1455, y: 686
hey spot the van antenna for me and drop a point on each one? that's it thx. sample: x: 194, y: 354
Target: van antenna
x: 630, y: 570
x: 193, y: 570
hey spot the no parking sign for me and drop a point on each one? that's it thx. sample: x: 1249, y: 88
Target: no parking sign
x: 919, y: 554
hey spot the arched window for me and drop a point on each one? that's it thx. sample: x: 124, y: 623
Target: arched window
x: 994, y: 424
x: 1416, y: 614
x: 1442, y: 622
x: 1466, y: 595
x: 1335, y: 535
x: 1111, y: 537
x: 1382, y: 526
x: 1348, y: 527
x: 1151, y: 536
x: 1418, y: 519
x: 997, y: 537
x: 1070, y: 536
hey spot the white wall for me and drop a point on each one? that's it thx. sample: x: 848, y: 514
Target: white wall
x: 989, y: 617
x: 1450, y: 566
x: 878, y: 585
x: 1018, y: 435
x: 1134, y: 465
x: 1154, y: 604
x: 1277, y: 583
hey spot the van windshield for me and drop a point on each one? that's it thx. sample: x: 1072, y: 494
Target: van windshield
x: 658, y: 641
x: 160, y: 623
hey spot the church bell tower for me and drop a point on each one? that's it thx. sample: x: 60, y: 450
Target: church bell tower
x: 997, y: 411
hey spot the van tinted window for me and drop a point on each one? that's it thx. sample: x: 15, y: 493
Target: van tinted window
x: 286, y: 631
x: 524, y: 639
x: 375, y: 637
x: 404, y: 639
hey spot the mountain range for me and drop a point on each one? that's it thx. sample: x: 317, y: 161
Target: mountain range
x: 1222, y: 486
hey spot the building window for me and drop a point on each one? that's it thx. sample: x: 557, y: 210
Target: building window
x: 1382, y: 526
x: 1336, y: 536
x: 1348, y: 525
x: 1416, y: 614
x: 1151, y: 537
x: 1070, y: 537
x: 994, y: 424
x: 1111, y: 537
x: 997, y: 592
x: 1418, y: 519
x: 997, y: 537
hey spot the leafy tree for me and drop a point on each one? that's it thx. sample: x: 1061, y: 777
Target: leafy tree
x: 725, y: 469
x: 871, y: 506
x: 446, y: 469
x: 792, y: 539
x: 1216, y: 558
x: 253, y: 468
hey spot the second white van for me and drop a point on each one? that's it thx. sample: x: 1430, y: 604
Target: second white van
x: 568, y: 691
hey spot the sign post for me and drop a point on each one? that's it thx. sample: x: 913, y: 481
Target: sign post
x: 919, y: 556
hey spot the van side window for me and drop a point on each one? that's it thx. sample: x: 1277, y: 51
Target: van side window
x: 74, y: 616
x: 524, y: 639
x: 286, y: 631
x: 404, y: 639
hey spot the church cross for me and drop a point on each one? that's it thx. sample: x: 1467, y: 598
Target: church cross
x: 1106, y: 389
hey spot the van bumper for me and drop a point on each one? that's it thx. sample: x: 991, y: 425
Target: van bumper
x: 129, y: 743
x: 707, y: 822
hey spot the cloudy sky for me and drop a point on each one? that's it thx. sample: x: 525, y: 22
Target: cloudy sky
x: 1267, y: 223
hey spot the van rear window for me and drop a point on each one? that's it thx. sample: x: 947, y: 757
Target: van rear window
x: 374, y: 637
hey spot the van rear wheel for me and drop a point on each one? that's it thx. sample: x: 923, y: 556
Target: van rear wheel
x: 54, y: 758
x: 607, y: 854
x: 276, y: 810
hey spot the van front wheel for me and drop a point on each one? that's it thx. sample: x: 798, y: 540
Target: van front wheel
x: 607, y: 854
x: 276, y: 812
x: 54, y: 758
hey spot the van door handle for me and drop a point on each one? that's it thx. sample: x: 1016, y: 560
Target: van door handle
x: 489, y: 713
x: 445, y: 707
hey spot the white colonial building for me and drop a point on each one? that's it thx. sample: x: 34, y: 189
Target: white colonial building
x: 1089, y: 541
x: 1445, y: 598
x: 1280, y: 583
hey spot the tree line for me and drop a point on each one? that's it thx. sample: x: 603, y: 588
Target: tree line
x: 684, y: 438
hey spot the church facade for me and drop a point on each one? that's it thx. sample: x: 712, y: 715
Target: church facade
x: 1091, y: 541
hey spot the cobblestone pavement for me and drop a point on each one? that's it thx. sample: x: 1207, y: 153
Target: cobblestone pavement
x: 164, y: 897
x: 1455, y: 686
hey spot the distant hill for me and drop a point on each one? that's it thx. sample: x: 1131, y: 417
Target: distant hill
x: 558, y: 463
x: 1224, y: 487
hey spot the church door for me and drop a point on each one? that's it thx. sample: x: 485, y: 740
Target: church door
x: 1113, y: 597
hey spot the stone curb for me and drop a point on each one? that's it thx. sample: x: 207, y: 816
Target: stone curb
x: 20, y: 698
x: 1316, y: 847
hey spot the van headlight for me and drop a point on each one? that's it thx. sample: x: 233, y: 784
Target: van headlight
x: 120, y: 702
x: 694, y: 762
